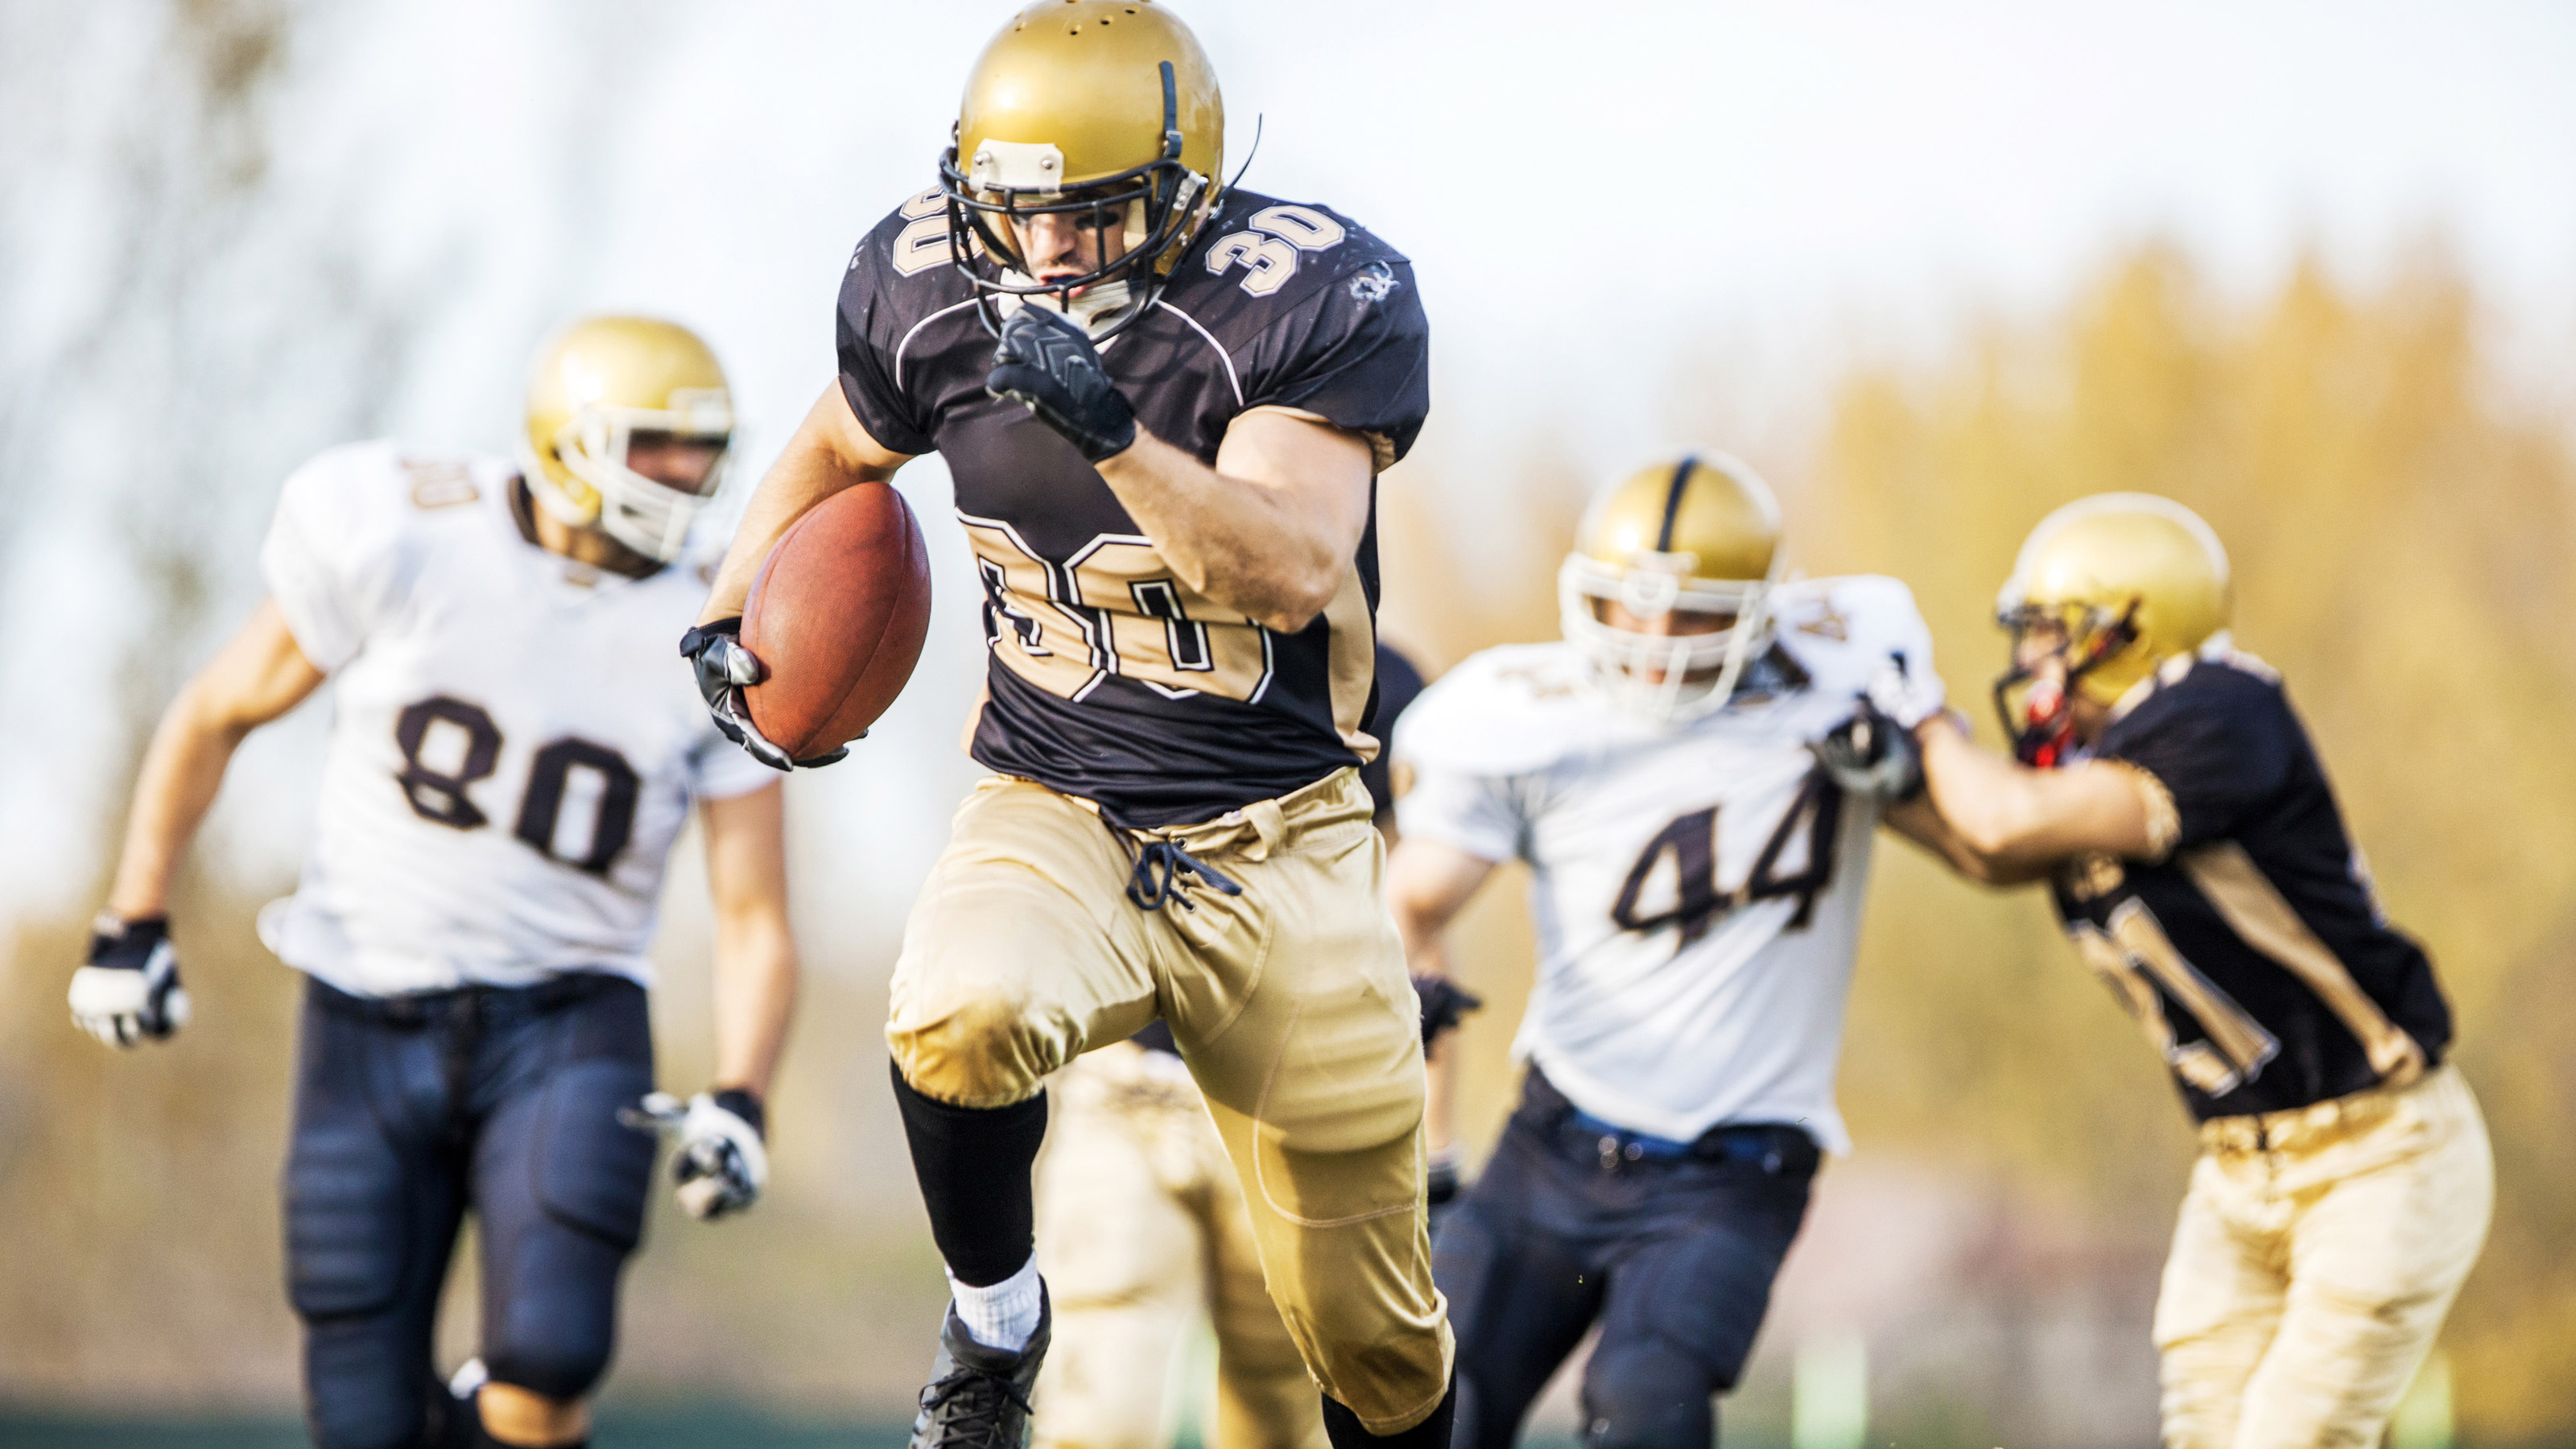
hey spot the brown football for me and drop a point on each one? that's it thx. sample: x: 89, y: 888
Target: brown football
x: 837, y: 614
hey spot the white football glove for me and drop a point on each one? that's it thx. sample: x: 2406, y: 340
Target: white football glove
x: 1904, y: 695
x: 129, y: 991
x: 720, y: 1165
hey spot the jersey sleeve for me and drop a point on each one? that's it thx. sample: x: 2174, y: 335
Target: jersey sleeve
x: 2219, y: 753
x: 331, y: 559
x: 1479, y: 814
x: 719, y: 769
x: 871, y: 322
x: 1356, y: 354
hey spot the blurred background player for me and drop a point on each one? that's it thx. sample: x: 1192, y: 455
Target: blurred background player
x: 510, y: 761
x: 1698, y: 878
x: 1145, y: 1234
x: 2171, y: 798
x: 1167, y: 470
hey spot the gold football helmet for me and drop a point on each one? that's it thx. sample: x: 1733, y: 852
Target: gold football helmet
x: 1697, y: 535
x: 597, y: 387
x: 1104, y: 111
x: 2126, y: 581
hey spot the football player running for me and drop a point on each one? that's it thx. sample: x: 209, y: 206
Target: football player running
x: 2170, y: 796
x: 1145, y: 1234
x: 510, y: 760
x: 1164, y: 403
x: 1698, y: 877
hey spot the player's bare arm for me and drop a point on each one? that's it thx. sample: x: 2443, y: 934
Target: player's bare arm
x: 755, y: 950
x: 829, y: 453
x: 2002, y: 822
x: 258, y: 675
x: 1270, y: 529
x: 721, y: 1159
x: 1428, y: 882
x: 127, y: 989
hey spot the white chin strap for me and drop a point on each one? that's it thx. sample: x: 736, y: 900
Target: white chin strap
x: 1662, y: 677
x: 647, y: 516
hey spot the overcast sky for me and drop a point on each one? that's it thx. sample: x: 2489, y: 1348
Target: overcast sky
x: 1588, y: 192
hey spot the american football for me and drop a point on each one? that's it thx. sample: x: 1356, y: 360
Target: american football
x: 837, y: 613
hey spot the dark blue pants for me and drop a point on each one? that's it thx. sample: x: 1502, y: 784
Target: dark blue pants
x: 411, y: 1111
x: 1672, y: 1255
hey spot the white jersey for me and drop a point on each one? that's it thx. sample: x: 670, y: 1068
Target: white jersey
x: 515, y: 740
x: 1697, y: 886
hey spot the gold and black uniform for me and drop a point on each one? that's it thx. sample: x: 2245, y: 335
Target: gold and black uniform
x: 1111, y: 680
x: 1131, y: 720
x: 2254, y: 952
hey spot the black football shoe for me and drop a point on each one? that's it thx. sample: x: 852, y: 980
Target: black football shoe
x: 979, y: 1397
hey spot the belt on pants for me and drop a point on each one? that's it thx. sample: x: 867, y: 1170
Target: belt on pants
x: 413, y: 1010
x: 1774, y: 1147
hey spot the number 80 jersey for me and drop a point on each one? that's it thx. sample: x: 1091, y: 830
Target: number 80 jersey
x: 514, y: 744
x: 1697, y: 886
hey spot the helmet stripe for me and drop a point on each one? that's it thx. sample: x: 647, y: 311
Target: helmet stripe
x: 1673, y: 500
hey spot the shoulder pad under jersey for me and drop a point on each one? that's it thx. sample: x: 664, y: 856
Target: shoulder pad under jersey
x: 1841, y: 630
x: 1507, y: 711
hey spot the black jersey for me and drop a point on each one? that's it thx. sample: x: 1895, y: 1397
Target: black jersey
x: 2254, y: 953
x: 1110, y: 678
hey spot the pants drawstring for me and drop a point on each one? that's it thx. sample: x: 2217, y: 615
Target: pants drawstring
x: 1161, y: 870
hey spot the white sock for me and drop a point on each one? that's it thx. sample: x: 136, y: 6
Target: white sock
x: 1003, y: 1315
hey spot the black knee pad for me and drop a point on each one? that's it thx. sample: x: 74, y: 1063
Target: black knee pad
x: 1647, y: 1395
x: 562, y: 1369
x: 353, y: 1402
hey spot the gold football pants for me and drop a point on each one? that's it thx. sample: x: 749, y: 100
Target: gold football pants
x: 1289, y: 1002
x: 2317, y: 1253
x: 1143, y: 1231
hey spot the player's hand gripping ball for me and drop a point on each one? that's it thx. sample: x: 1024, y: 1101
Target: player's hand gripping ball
x: 129, y: 991
x: 724, y: 668
x: 721, y: 1163
x: 1046, y: 363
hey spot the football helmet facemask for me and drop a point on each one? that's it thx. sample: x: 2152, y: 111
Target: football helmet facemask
x: 597, y: 389
x: 1104, y: 112
x: 1697, y: 535
x: 2104, y: 590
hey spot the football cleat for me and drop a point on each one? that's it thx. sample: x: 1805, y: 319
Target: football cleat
x: 2103, y: 591
x: 978, y: 1397
x: 1698, y: 536
x: 1103, y: 112
x: 598, y: 389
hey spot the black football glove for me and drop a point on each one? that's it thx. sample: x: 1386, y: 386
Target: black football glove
x: 723, y: 667
x: 1443, y: 1002
x: 721, y: 1163
x: 1441, y: 1187
x: 129, y: 991
x: 1046, y: 363
x: 1871, y: 754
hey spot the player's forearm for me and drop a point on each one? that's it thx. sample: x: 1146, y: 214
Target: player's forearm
x: 829, y: 454
x: 1249, y: 545
x: 755, y: 999
x: 1991, y: 807
x: 182, y: 769
x: 801, y: 479
x: 1440, y: 1059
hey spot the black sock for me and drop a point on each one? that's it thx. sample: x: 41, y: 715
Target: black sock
x: 1343, y: 1427
x: 973, y: 1163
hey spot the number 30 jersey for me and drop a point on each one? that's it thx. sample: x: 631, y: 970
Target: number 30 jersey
x: 1110, y: 677
x: 1697, y: 886
x: 513, y: 748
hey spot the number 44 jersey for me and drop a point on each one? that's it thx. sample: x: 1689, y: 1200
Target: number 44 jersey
x: 1697, y: 885
x: 514, y: 745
